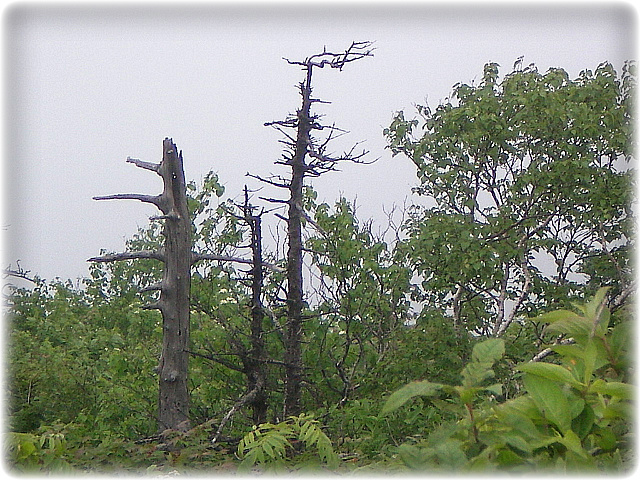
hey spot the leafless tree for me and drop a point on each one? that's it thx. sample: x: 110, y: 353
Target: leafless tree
x: 307, y: 156
x: 173, y: 302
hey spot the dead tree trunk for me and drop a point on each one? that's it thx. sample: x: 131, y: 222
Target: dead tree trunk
x: 293, y: 335
x: 307, y: 157
x: 173, y: 303
x: 255, y: 367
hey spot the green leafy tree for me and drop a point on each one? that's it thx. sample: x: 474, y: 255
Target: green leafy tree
x: 362, y: 301
x: 528, y: 190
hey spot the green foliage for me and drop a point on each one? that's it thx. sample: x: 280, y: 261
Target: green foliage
x: 276, y: 446
x: 574, y: 415
x: 535, y: 164
x: 474, y: 376
x: 28, y: 453
x: 74, y: 355
x: 362, y: 301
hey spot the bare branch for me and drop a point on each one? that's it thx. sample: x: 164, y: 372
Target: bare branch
x: 620, y: 299
x: 275, y: 200
x: 154, y: 199
x: 114, y: 257
x: 152, y: 306
x: 151, y: 288
x: 356, y: 51
x: 19, y: 272
x: 548, y: 351
x: 196, y: 257
x: 146, y: 165
x: 221, y: 361
x: 247, y: 398
x: 269, y: 181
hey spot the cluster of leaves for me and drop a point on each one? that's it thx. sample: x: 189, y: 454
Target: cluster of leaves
x: 574, y: 415
x: 75, y: 356
x: 28, y: 452
x: 269, y: 445
x: 361, y: 300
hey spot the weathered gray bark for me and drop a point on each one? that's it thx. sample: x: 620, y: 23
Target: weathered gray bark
x: 173, y: 303
x: 173, y: 408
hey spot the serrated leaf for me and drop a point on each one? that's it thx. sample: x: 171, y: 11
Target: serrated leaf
x: 409, y: 391
x: 488, y: 351
x: 474, y: 373
x: 574, y: 326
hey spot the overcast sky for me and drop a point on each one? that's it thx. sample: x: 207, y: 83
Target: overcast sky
x: 86, y: 87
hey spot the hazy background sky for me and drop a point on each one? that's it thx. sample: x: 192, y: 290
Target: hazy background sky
x: 87, y: 86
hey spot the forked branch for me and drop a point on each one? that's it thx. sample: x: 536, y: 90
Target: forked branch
x: 356, y: 51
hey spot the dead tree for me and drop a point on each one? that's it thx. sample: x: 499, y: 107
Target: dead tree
x: 253, y: 358
x: 173, y: 302
x: 255, y: 362
x: 307, y: 156
x: 174, y: 299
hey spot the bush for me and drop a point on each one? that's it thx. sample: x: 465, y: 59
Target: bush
x: 574, y: 415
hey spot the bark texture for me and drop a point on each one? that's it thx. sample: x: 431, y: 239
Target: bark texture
x: 173, y: 408
x: 173, y: 302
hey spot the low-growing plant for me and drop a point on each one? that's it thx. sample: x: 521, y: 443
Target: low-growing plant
x: 574, y: 415
x: 27, y: 452
x: 287, y: 444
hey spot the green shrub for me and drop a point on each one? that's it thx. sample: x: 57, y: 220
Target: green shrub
x: 574, y: 415
x: 27, y: 452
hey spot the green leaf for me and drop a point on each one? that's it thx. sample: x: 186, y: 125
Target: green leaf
x: 583, y: 423
x: 450, y: 454
x: 496, y: 389
x: 550, y: 400
x: 483, y: 356
x: 573, y: 325
x: 570, y: 440
x: 621, y: 390
x: 595, y: 308
x: 488, y: 351
x: 557, y: 315
x: 474, y: 373
x: 409, y: 391
x: 551, y: 371
x: 518, y: 442
x: 414, y: 457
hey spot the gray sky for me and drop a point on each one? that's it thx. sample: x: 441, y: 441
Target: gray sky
x: 86, y: 87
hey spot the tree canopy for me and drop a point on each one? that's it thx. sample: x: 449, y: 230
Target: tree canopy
x: 528, y: 186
